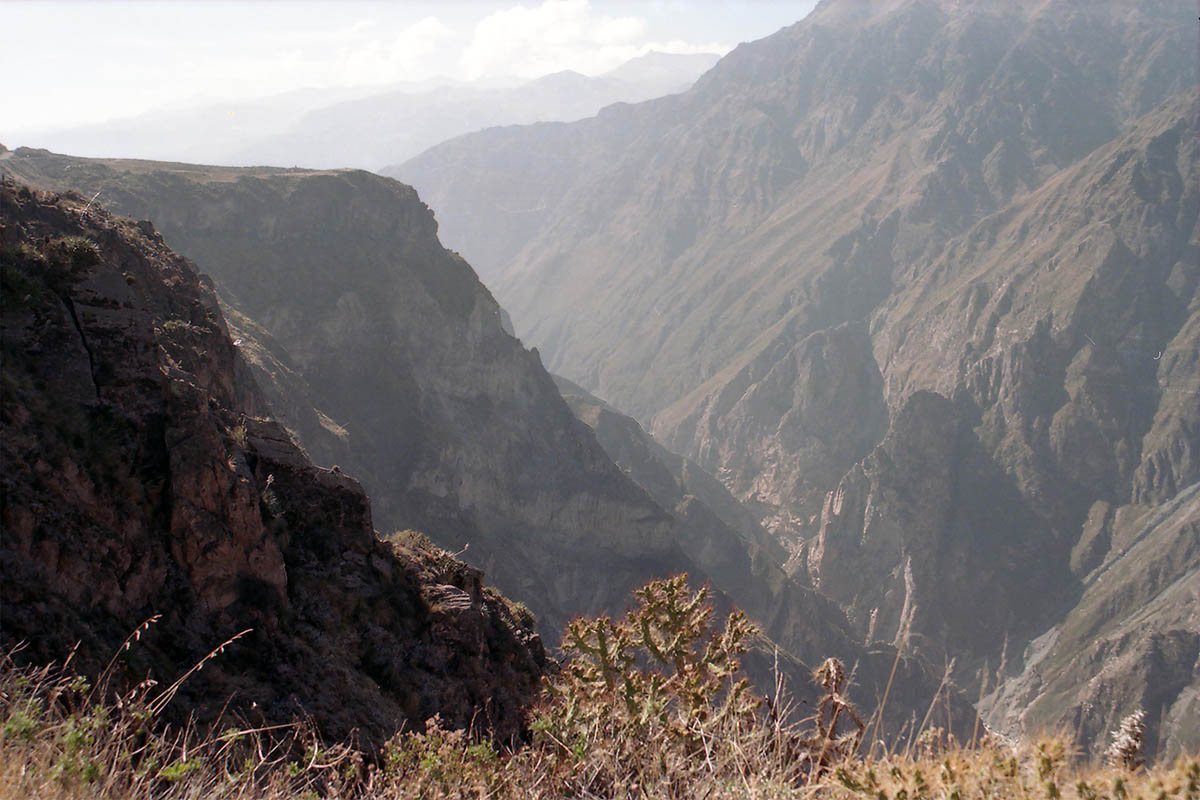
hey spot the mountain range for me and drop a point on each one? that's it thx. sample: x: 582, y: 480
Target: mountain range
x: 388, y: 360
x: 894, y: 315
x: 367, y: 127
x: 917, y: 281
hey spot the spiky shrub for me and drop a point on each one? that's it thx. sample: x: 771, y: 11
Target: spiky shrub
x: 657, y: 700
x: 1126, y: 748
x: 78, y: 251
x: 659, y: 667
x: 524, y: 616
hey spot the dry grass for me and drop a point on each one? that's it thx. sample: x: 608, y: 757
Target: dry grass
x: 651, y: 706
x: 995, y: 770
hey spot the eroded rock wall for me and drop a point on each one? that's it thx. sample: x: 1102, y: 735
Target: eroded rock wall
x: 140, y: 480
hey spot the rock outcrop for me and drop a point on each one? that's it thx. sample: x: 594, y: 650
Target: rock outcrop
x: 385, y: 355
x: 140, y: 478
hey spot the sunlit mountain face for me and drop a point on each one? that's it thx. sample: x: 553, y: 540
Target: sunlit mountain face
x: 916, y: 282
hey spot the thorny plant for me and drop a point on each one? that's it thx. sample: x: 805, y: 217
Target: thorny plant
x: 1126, y: 748
x: 834, y: 707
x: 657, y: 699
x: 687, y: 683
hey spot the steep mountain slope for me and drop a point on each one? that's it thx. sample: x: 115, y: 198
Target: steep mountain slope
x: 993, y: 202
x: 1132, y: 641
x: 1061, y: 327
x: 138, y: 480
x: 720, y: 535
x: 667, y: 477
x: 718, y: 532
x: 396, y: 365
x: 721, y: 208
x: 453, y: 427
x: 719, y: 214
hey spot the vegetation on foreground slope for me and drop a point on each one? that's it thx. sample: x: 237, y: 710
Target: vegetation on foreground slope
x: 649, y: 706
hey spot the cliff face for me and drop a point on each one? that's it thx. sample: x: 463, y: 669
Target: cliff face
x: 384, y: 354
x: 886, y: 200
x: 802, y: 626
x: 783, y: 423
x: 140, y: 479
x: 719, y: 533
x: 1131, y: 641
x: 387, y: 357
x: 928, y: 543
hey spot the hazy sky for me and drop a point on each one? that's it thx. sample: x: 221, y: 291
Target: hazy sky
x: 67, y: 63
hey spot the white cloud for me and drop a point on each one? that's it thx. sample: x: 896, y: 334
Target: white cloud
x: 406, y: 54
x: 121, y: 58
x: 528, y: 41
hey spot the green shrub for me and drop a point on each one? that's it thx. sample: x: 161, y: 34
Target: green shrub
x: 78, y: 251
x: 525, y: 618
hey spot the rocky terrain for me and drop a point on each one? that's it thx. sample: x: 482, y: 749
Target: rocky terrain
x: 397, y: 367
x: 141, y: 478
x: 917, y: 281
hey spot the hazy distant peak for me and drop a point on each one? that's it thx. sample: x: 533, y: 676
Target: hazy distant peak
x: 659, y: 66
x: 566, y: 77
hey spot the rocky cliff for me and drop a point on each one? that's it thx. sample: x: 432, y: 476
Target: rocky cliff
x: 802, y: 626
x: 1131, y: 641
x: 140, y: 478
x: 387, y: 357
x: 397, y: 367
x: 928, y: 543
x: 719, y: 533
x: 885, y: 200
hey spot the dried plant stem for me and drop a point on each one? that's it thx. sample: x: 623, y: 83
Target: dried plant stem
x: 883, y: 704
x: 160, y: 702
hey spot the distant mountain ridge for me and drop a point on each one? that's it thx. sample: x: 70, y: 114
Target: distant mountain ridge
x: 368, y: 127
x: 383, y: 129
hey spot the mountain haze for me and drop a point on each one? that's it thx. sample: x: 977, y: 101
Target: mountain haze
x: 387, y: 357
x: 385, y: 128
x: 917, y: 281
x: 366, y: 127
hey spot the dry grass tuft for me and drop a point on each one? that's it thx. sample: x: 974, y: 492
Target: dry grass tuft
x: 650, y: 706
x: 63, y: 737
